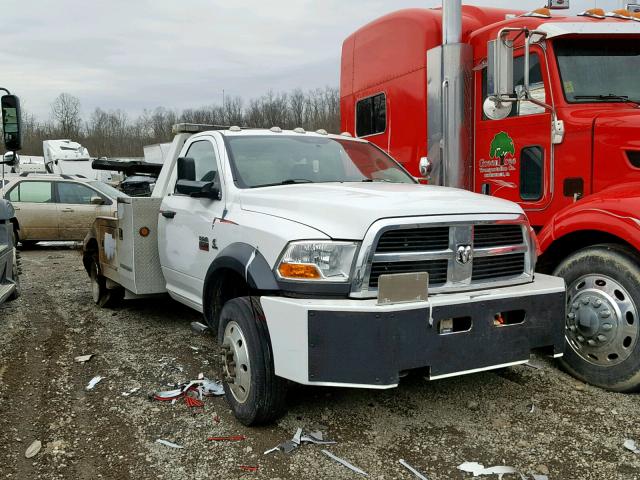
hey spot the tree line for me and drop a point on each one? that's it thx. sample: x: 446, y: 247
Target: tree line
x: 114, y: 133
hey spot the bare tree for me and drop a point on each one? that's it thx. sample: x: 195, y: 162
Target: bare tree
x: 65, y: 110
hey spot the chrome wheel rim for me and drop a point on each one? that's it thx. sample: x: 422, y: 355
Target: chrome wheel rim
x: 602, y: 320
x: 237, y: 369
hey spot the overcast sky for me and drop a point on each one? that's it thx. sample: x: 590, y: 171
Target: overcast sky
x: 136, y: 54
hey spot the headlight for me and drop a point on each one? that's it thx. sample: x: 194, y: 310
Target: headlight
x: 317, y: 261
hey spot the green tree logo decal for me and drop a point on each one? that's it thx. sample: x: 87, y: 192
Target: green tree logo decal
x: 502, y: 146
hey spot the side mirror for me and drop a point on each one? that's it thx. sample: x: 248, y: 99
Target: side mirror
x: 186, y: 169
x: 198, y: 189
x: 11, y: 159
x: 11, y: 127
x: 500, y: 67
x: 97, y: 200
x: 426, y: 167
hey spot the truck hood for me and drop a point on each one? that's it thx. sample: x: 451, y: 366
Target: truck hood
x: 346, y: 211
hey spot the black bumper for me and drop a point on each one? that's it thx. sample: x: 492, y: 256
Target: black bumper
x: 367, y: 348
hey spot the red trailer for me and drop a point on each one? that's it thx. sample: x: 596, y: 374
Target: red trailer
x: 534, y: 107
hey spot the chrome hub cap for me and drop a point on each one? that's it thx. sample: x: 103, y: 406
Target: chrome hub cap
x: 602, y: 320
x: 235, y: 360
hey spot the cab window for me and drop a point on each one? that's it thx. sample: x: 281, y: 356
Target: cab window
x: 536, y: 86
x: 32, y: 192
x: 204, y: 158
x: 75, y: 193
x: 371, y: 115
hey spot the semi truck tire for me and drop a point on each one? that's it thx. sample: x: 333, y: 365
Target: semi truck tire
x: 15, y: 273
x: 603, y: 320
x: 256, y: 395
x: 103, y: 296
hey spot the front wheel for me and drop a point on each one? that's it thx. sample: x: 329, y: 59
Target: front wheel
x: 256, y: 395
x: 603, y: 320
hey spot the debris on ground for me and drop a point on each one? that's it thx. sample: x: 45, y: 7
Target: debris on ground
x: 33, y: 449
x: 412, y: 470
x: 299, y: 437
x: 83, y: 358
x: 93, y: 382
x: 248, y: 468
x: 631, y: 446
x: 130, y: 392
x: 345, y: 463
x: 199, y: 328
x: 168, y: 443
x: 229, y: 438
x: 477, y: 469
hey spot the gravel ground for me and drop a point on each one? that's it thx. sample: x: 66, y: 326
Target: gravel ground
x: 536, y: 420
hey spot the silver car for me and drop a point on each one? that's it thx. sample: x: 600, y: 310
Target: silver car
x: 58, y: 207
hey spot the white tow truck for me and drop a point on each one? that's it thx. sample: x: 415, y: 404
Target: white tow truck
x: 318, y: 259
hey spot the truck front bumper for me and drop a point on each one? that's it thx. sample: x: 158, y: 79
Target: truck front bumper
x: 357, y: 343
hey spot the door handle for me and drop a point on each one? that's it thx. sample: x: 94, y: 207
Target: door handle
x: 168, y: 213
x: 67, y: 209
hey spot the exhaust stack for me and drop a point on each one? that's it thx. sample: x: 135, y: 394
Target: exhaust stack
x: 449, y: 106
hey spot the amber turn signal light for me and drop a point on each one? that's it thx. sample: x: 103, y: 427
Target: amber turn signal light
x: 299, y: 270
x: 144, y: 232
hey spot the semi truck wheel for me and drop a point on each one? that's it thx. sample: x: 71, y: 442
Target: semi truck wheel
x: 256, y: 395
x: 603, y: 320
x: 103, y: 296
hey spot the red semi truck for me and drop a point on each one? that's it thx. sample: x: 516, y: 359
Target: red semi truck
x: 534, y: 107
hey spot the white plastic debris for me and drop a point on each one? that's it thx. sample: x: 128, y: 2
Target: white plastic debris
x: 631, y: 446
x: 316, y: 438
x: 93, y: 382
x: 33, y: 449
x: 130, y: 392
x: 199, y: 328
x: 539, y: 477
x: 212, y: 388
x: 167, y: 443
x: 412, y: 470
x: 299, y: 438
x: 342, y: 461
x: 477, y: 469
x: 83, y: 358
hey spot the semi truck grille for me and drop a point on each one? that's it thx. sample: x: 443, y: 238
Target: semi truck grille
x: 499, y: 254
x: 414, y: 240
x: 499, y: 266
x: 486, y: 236
x: 437, y: 270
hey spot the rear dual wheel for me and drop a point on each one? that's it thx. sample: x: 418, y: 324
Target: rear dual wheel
x: 103, y: 296
x: 256, y: 395
x: 603, y: 319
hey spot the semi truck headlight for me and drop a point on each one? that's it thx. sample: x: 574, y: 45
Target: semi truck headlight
x: 317, y: 261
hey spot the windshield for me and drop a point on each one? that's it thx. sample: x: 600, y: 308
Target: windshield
x: 108, y: 190
x: 599, y: 69
x: 261, y: 161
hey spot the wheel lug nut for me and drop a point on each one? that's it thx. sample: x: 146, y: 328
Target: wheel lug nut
x: 591, y: 342
x: 607, y: 327
x: 572, y: 328
x: 605, y: 313
x: 597, y: 302
x: 602, y: 338
x: 575, y: 305
x: 580, y: 338
x: 571, y: 316
x: 586, y: 300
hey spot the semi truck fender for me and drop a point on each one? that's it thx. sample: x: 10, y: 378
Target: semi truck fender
x: 608, y: 215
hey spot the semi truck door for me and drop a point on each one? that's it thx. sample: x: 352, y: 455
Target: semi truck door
x: 186, y: 241
x: 513, y: 155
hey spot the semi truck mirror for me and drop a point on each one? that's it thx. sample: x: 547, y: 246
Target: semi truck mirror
x: 494, y: 109
x: 500, y: 67
x: 11, y: 126
x: 426, y: 167
x: 186, y: 169
x: 11, y: 159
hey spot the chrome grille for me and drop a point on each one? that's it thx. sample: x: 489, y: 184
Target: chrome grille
x: 499, y: 266
x: 499, y: 254
x: 414, y: 240
x: 497, y: 235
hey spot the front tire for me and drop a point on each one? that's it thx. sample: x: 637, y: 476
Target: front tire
x: 603, y: 316
x: 256, y: 395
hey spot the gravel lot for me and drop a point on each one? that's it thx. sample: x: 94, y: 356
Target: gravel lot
x: 537, y: 420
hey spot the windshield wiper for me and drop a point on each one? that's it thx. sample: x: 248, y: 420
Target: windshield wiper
x: 611, y: 96
x: 289, y: 181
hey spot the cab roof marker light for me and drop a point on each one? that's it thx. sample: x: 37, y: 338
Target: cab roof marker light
x: 598, y: 13
x: 321, y: 131
x: 346, y: 134
x: 299, y: 130
x: 276, y: 129
x: 539, y: 13
x: 235, y: 128
x: 621, y: 13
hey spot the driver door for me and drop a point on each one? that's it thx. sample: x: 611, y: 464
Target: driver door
x: 513, y: 155
x: 186, y: 226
